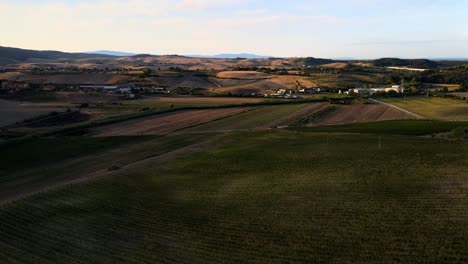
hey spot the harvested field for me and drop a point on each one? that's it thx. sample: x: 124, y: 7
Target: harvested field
x: 69, y: 78
x: 262, y: 117
x: 12, y: 112
x: 433, y: 107
x: 362, y: 113
x: 167, y: 123
x: 192, y: 101
x: 299, y: 115
x: 183, y: 80
x: 244, y: 75
x: 335, y: 65
x: 260, y: 85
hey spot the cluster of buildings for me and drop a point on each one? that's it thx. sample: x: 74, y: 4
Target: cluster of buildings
x: 127, y: 89
x: 294, y: 93
x: 371, y: 91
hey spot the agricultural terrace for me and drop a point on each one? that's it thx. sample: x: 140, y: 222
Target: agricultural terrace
x: 262, y: 197
x: 433, y: 107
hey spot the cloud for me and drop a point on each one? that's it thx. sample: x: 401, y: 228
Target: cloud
x: 206, y: 4
x: 404, y: 42
x: 253, y: 12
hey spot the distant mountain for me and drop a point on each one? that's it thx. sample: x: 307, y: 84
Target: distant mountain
x: 411, y: 63
x: 311, y: 61
x: 450, y: 59
x: 344, y: 58
x: 231, y: 56
x: 112, y: 53
x: 12, y: 55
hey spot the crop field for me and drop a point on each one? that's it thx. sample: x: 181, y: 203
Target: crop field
x: 262, y: 197
x: 263, y: 117
x: 391, y: 127
x: 69, y: 78
x: 169, y: 122
x: 39, y: 164
x: 361, y: 113
x: 12, y: 112
x: 344, y: 80
x: 433, y: 107
x: 184, y: 101
x: 245, y: 82
x: 246, y: 75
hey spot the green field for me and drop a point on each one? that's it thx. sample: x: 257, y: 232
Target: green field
x: 392, y: 127
x: 38, y: 164
x: 433, y: 107
x: 260, y: 117
x: 262, y: 197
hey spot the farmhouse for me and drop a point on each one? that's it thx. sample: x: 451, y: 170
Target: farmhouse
x: 99, y: 87
x: 109, y: 88
x: 360, y: 91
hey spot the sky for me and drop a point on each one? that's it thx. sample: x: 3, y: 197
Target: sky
x: 362, y: 29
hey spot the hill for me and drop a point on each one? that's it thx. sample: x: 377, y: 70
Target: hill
x: 8, y: 54
x: 311, y: 61
x: 231, y: 56
x: 111, y: 53
x: 411, y: 63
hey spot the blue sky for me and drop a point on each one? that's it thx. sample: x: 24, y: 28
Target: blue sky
x: 333, y: 28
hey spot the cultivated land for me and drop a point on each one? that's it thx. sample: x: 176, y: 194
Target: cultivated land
x: 12, y: 112
x: 433, y: 107
x: 256, y: 82
x: 261, y: 197
x: 170, y: 122
x: 262, y: 117
x: 196, y: 166
x: 361, y: 113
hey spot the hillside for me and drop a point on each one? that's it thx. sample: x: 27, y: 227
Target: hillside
x: 411, y: 63
x: 10, y: 55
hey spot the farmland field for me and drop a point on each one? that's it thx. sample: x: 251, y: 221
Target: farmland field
x: 262, y: 197
x: 433, y: 107
x: 11, y: 112
x: 262, y: 117
x: 29, y: 167
x: 170, y: 122
x: 361, y: 113
x: 181, y: 101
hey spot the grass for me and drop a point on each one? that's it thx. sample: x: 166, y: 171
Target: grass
x: 395, y: 127
x: 259, y: 117
x: 167, y: 102
x: 38, y: 164
x: 37, y: 152
x: 265, y: 197
x: 433, y: 107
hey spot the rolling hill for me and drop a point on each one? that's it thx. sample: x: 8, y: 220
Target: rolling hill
x: 11, y: 55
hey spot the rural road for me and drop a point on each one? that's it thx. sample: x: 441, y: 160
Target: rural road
x: 399, y: 108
